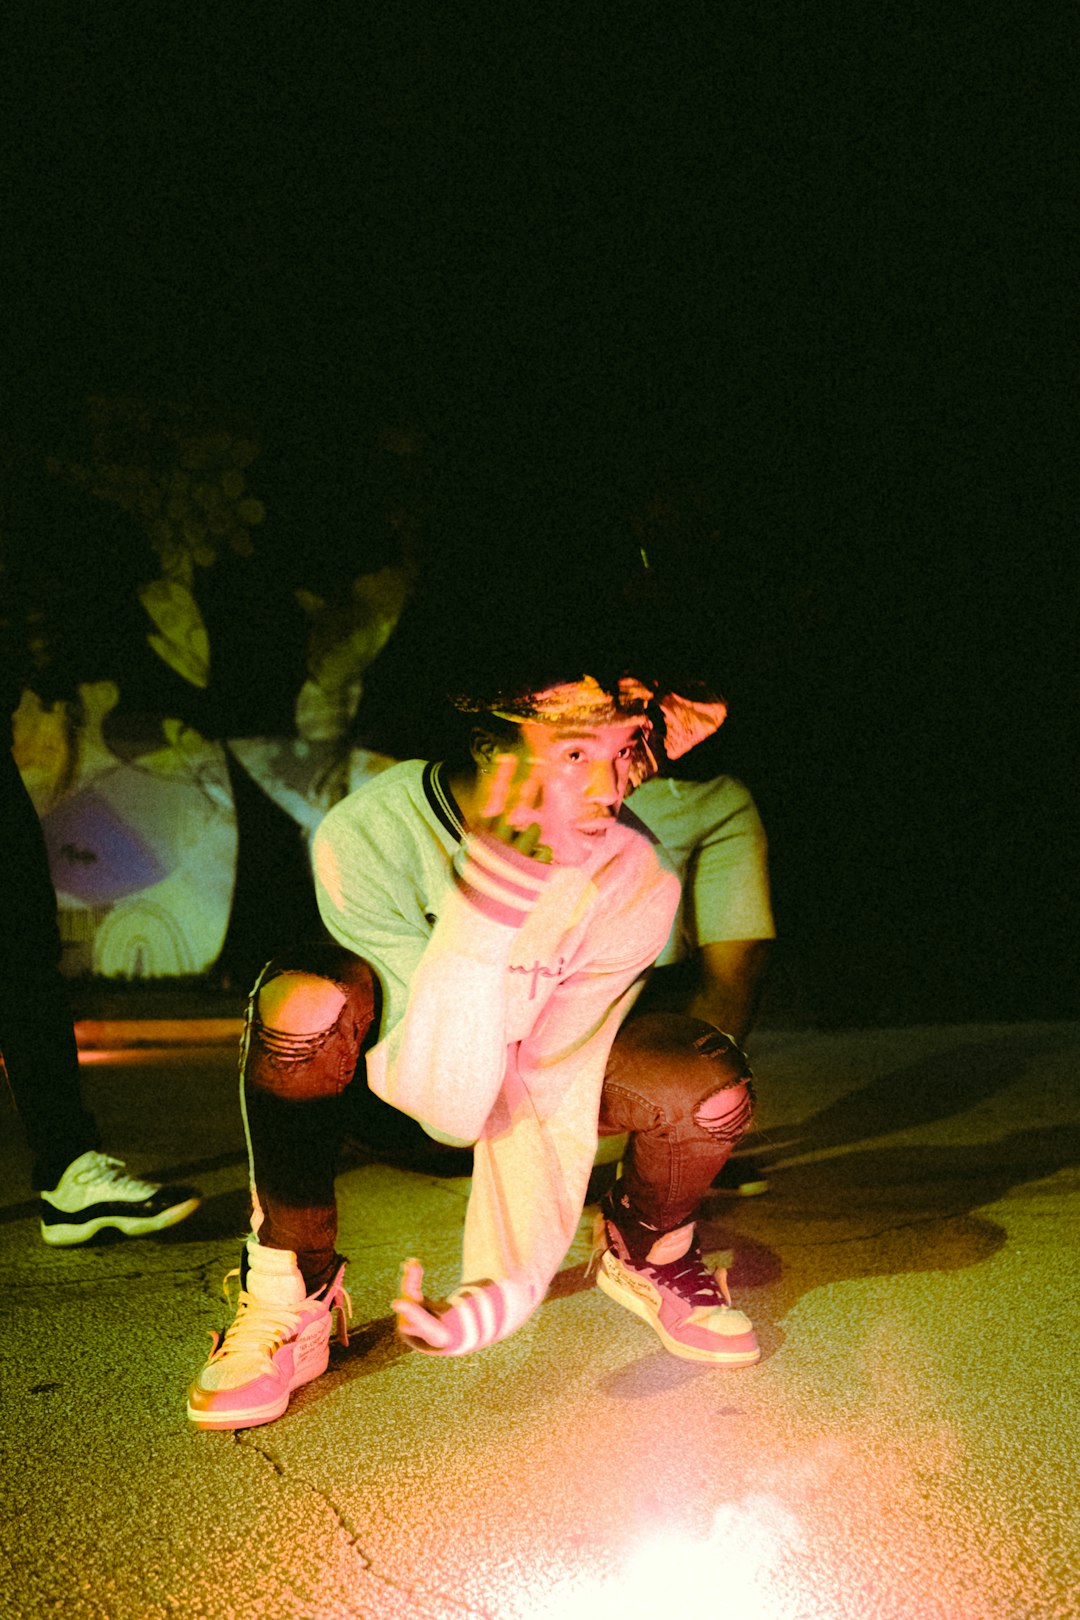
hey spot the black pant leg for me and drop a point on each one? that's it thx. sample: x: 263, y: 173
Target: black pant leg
x: 37, y: 1038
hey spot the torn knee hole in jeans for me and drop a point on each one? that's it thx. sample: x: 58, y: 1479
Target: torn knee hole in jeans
x: 714, y: 1043
x: 727, y: 1112
x: 292, y: 1048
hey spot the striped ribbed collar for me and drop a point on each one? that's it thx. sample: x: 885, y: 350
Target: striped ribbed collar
x: 443, y: 804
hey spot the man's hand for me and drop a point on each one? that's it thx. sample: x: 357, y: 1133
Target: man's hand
x: 475, y: 1315
x: 497, y: 867
x: 417, y: 1321
x: 515, y: 791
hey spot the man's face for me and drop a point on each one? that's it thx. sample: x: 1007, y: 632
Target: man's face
x: 576, y: 783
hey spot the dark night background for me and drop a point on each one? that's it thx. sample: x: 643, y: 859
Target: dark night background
x: 789, y: 286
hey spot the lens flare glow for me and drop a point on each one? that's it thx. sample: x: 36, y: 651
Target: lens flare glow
x: 746, y: 1562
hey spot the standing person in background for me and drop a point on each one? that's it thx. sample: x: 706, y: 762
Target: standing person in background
x: 81, y: 1189
x: 713, y: 963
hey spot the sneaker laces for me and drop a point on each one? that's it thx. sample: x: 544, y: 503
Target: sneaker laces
x: 688, y: 1276
x: 108, y: 1174
x: 258, y: 1329
x: 693, y: 1281
x: 339, y: 1301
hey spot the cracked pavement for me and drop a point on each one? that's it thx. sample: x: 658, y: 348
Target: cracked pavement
x: 907, y: 1446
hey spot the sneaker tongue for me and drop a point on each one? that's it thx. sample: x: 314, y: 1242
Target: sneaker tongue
x: 277, y: 1290
x: 275, y: 1278
x: 671, y: 1246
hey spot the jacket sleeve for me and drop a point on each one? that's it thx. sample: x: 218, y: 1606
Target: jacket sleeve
x: 443, y: 1051
x: 360, y: 903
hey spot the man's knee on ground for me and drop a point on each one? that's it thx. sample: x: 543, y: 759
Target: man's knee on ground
x: 300, y: 1004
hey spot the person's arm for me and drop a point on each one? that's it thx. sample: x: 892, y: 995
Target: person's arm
x: 529, y: 1177
x: 442, y: 1052
x: 531, y: 1171
x: 728, y: 984
x: 730, y: 908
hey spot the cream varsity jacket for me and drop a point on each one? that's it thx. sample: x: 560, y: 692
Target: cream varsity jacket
x: 504, y: 982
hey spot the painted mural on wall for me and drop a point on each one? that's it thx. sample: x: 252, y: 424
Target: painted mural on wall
x: 140, y: 819
x: 142, y: 850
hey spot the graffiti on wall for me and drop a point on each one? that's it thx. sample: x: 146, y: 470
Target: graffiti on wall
x: 143, y: 848
x: 145, y: 535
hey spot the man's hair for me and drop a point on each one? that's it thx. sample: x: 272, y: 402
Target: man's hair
x: 464, y: 731
x: 489, y: 712
x: 492, y: 651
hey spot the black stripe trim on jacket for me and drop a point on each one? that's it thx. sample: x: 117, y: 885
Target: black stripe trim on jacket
x: 443, y: 804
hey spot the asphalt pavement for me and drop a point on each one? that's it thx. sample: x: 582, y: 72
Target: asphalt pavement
x: 906, y: 1449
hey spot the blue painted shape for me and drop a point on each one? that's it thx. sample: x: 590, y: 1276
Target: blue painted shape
x: 95, y: 854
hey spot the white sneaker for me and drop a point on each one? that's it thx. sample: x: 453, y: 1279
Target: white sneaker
x: 280, y: 1339
x: 94, y: 1192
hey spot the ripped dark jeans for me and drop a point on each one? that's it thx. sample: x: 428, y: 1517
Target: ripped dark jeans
x: 680, y: 1089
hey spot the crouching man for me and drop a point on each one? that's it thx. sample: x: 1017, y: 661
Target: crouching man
x: 492, y: 927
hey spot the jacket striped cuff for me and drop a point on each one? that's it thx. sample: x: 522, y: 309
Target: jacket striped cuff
x: 478, y: 1314
x: 499, y: 881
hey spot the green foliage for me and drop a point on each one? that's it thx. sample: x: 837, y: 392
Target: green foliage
x: 179, y: 470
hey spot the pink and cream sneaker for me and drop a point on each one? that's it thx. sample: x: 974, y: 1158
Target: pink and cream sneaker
x: 687, y: 1306
x: 279, y: 1339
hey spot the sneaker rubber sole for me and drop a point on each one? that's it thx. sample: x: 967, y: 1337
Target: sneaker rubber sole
x: 69, y: 1233
x: 640, y: 1296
